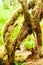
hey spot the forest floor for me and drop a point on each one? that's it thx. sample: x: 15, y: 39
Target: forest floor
x: 35, y: 62
x: 25, y: 55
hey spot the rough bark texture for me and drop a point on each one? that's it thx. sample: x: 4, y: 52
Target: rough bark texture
x: 30, y: 25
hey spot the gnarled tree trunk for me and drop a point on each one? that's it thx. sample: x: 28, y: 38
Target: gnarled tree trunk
x: 30, y: 25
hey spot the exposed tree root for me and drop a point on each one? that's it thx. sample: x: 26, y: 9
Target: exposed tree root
x: 35, y: 62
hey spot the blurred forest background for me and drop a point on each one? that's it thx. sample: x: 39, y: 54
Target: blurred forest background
x: 7, y: 7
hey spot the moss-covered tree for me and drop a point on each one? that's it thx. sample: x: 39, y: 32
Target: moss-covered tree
x: 30, y: 25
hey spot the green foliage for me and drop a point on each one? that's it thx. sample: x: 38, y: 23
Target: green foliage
x: 6, y: 4
x: 16, y: 63
x: 29, y: 42
x: 41, y: 23
x: 5, y: 12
